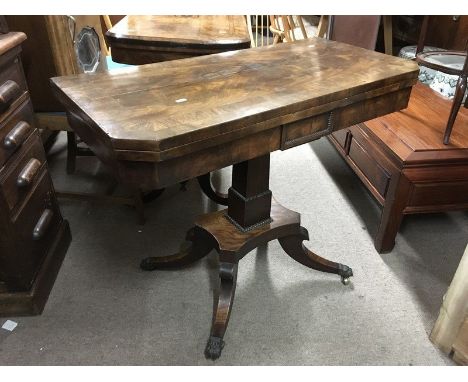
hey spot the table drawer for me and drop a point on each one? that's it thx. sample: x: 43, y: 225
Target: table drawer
x: 35, y: 229
x: 15, y: 129
x: 12, y: 84
x: 305, y: 130
x: 19, y: 177
x: 371, y: 169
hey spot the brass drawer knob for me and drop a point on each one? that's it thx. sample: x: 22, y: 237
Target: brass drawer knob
x: 43, y: 224
x: 17, y: 135
x: 8, y: 92
x: 27, y: 174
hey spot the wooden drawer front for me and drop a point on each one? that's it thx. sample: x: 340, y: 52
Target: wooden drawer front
x: 376, y: 175
x: 439, y: 193
x: 306, y: 130
x: 341, y: 136
x: 15, y: 129
x: 18, y: 178
x: 12, y: 85
x: 34, y: 228
x: 309, y: 129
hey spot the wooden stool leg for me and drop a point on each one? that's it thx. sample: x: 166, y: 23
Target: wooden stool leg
x: 457, y: 101
x: 392, y: 214
x: 71, y: 152
x: 222, y: 309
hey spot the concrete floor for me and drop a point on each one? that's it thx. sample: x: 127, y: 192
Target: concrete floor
x: 103, y: 310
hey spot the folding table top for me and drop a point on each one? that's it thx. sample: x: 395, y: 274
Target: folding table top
x: 163, y: 107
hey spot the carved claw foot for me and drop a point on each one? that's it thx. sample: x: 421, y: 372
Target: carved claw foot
x: 214, y: 347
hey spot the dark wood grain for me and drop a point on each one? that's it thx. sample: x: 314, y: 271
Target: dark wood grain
x: 222, y: 308
x: 230, y: 97
x: 33, y: 235
x: 14, y: 131
x: 147, y: 39
x: 162, y: 123
x: 10, y: 40
x: 9, y: 175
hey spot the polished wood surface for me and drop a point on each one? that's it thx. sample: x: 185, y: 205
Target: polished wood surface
x: 203, y: 30
x: 419, y: 129
x: 10, y: 40
x: 33, y: 235
x: 164, y: 106
x: 404, y: 163
x: 435, y: 61
x: 148, y: 39
x: 229, y: 103
x: 162, y: 123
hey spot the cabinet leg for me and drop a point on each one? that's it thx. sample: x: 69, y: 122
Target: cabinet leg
x: 392, y: 214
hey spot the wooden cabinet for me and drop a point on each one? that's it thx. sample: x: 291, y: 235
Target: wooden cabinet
x: 33, y: 235
x: 49, y: 51
x: 402, y: 161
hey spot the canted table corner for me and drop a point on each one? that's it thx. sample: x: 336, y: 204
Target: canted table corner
x: 147, y: 39
x: 163, y: 123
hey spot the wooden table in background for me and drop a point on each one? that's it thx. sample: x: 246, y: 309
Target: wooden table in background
x: 403, y: 162
x: 168, y: 122
x: 140, y: 40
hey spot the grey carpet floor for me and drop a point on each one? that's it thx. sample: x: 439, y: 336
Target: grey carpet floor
x: 103, y: 310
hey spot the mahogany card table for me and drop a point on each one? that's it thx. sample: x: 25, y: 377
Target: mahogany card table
x: 159, y: 124
x: 137, y: 40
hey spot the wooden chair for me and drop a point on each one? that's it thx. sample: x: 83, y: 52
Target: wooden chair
x: 360, y: 31
x: 259, y: 30
x: 270, y: 29
x: 285, y: 28
x: 450, y: 62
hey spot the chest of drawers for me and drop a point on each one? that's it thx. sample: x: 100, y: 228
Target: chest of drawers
x: 33, y: 235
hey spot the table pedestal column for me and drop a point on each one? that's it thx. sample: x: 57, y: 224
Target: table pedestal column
x: 252, y: 218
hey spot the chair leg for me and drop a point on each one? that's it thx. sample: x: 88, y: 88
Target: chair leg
x: 457, y: 100
x: 139, y: 207
x: 71, y: 152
